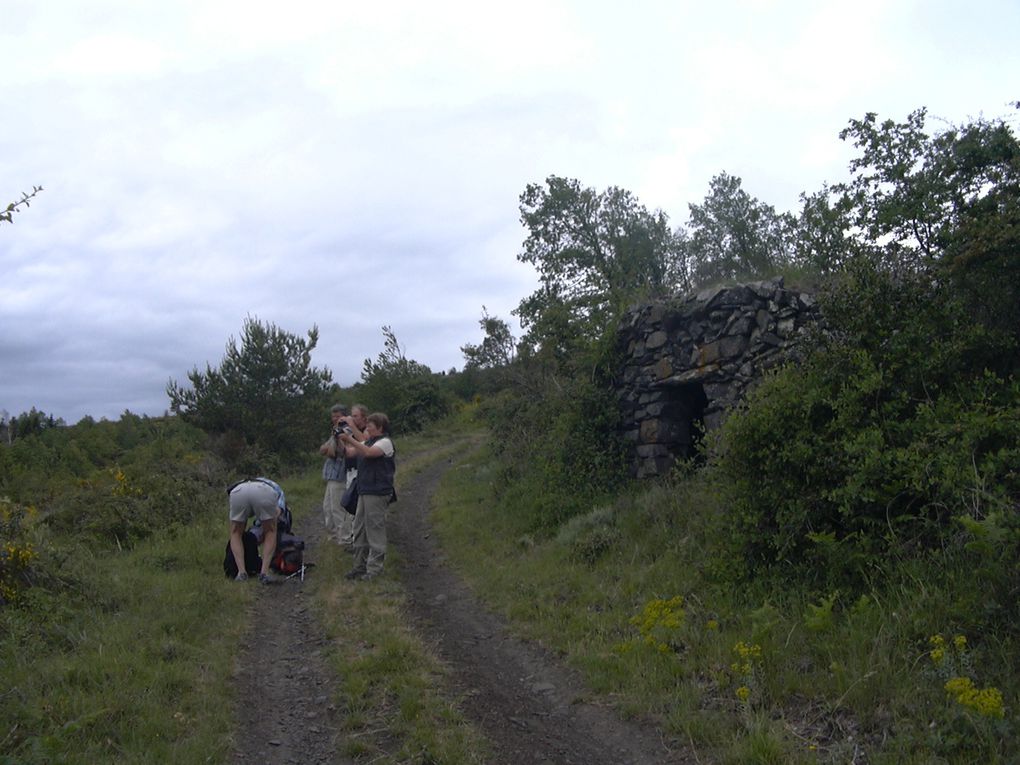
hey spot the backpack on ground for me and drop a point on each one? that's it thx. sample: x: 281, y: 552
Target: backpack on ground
x: 252, y: 561
x: 289, y: 557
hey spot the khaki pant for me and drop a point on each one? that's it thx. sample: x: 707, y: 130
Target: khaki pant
x: 370, y: 533
x: 339, y: 523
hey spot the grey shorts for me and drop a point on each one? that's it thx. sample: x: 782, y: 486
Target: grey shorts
x: 253, y: 498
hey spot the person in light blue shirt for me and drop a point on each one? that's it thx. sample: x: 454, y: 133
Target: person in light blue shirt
x: 334, y: 473
x: 263, y: 499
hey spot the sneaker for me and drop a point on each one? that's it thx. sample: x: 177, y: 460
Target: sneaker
x: 354, y: 574
x: 369, y: 577
x: 267, y: 579
x: 241, y: 577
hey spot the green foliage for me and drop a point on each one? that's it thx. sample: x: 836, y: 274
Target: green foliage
x: 118, y: 641
x: 112, y: 657
x: 32, y: 422
x: 732, y: 236
x: 946, y: 204
x: 17, y: 552
x: 265, y: 390
x: 818, y: 616
x: 497, y: 346
x: 906, y: 411
x: 406, y: 390
x: 7, y: 214
x: 847, y: 677
x: 557, y: 433
x: 884, y: 432
x: 112, y: 482
x: 594, y: 252
x: 591, y: 536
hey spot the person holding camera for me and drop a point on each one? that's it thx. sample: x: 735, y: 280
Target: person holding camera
x: 376, y: 470
x: 338, y: 521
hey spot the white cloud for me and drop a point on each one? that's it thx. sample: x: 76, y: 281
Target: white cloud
x: 206, y: 160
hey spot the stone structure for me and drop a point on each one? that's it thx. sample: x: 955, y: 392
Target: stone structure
x: 689, y: 360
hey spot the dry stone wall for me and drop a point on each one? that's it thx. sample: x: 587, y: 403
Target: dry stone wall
x: 688, y: 361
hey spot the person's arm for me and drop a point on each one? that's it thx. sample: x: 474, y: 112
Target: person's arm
x: 329, y: 448
x: 358, y: 434
x: 356, y: 448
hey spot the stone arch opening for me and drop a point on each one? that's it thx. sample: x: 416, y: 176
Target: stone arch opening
x: 688, y: 404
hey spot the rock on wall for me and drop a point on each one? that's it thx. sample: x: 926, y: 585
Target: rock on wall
x: 689, y: 360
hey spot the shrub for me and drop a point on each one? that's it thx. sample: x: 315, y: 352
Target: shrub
x: 890, y: 428
x: 16, y: 551
x: 562, y: 444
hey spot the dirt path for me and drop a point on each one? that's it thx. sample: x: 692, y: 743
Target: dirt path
x: 283, y: 668
x: 531, y: 708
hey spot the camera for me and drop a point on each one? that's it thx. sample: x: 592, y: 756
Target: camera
x: 342, y: 429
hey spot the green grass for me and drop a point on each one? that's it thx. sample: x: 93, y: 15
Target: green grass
x: 392, y: 690
x: 836, y: 675
x: 129, y: 656
x: 130, y: 661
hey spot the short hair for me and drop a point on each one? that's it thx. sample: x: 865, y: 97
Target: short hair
x: 381, y: 421
x: 359, y: 408
x: 338, y: 408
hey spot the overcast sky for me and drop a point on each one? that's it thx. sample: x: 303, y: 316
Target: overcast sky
x: 354, y: 165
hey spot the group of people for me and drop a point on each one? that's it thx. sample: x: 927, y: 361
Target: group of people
x: 358, y: 452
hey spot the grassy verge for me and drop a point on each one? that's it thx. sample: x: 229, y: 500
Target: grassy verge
x: 127, y: 657
x: 770, y: 673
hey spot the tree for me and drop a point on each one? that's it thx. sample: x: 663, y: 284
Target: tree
x: 733, y: 236
x: 497, y: 347
x: 947, y: 204
x: 265, y: 389
x: 404, y: 388
x: 594, y: 252
x: 32, y: 422
x: 823, y: 243
x: 903, y: 412
x: 7, y: 215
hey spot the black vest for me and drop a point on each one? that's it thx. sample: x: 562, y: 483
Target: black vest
x: 375, y: 474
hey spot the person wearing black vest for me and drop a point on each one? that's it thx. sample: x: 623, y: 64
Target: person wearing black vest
x: 376, y: 469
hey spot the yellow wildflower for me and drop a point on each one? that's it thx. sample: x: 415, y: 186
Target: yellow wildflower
x: 985, y: 701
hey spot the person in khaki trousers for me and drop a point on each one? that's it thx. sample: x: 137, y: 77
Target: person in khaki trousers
x: 334, y: 473
x: 376, y: 471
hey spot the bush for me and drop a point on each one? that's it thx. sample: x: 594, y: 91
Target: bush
x: 114, y: 482
x: 16, y: 551
x: 889, y: 429
x: 559, y: 441
x: 406, y: 390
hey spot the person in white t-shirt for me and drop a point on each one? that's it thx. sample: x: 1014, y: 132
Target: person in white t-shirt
x: 376, y: 471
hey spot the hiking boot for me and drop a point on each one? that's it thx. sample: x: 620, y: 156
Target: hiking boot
x: 241, y: 577
x: 355, y: 574
x: 268, y: 579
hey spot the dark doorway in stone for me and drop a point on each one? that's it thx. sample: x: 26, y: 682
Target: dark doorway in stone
x: 686, y: 404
